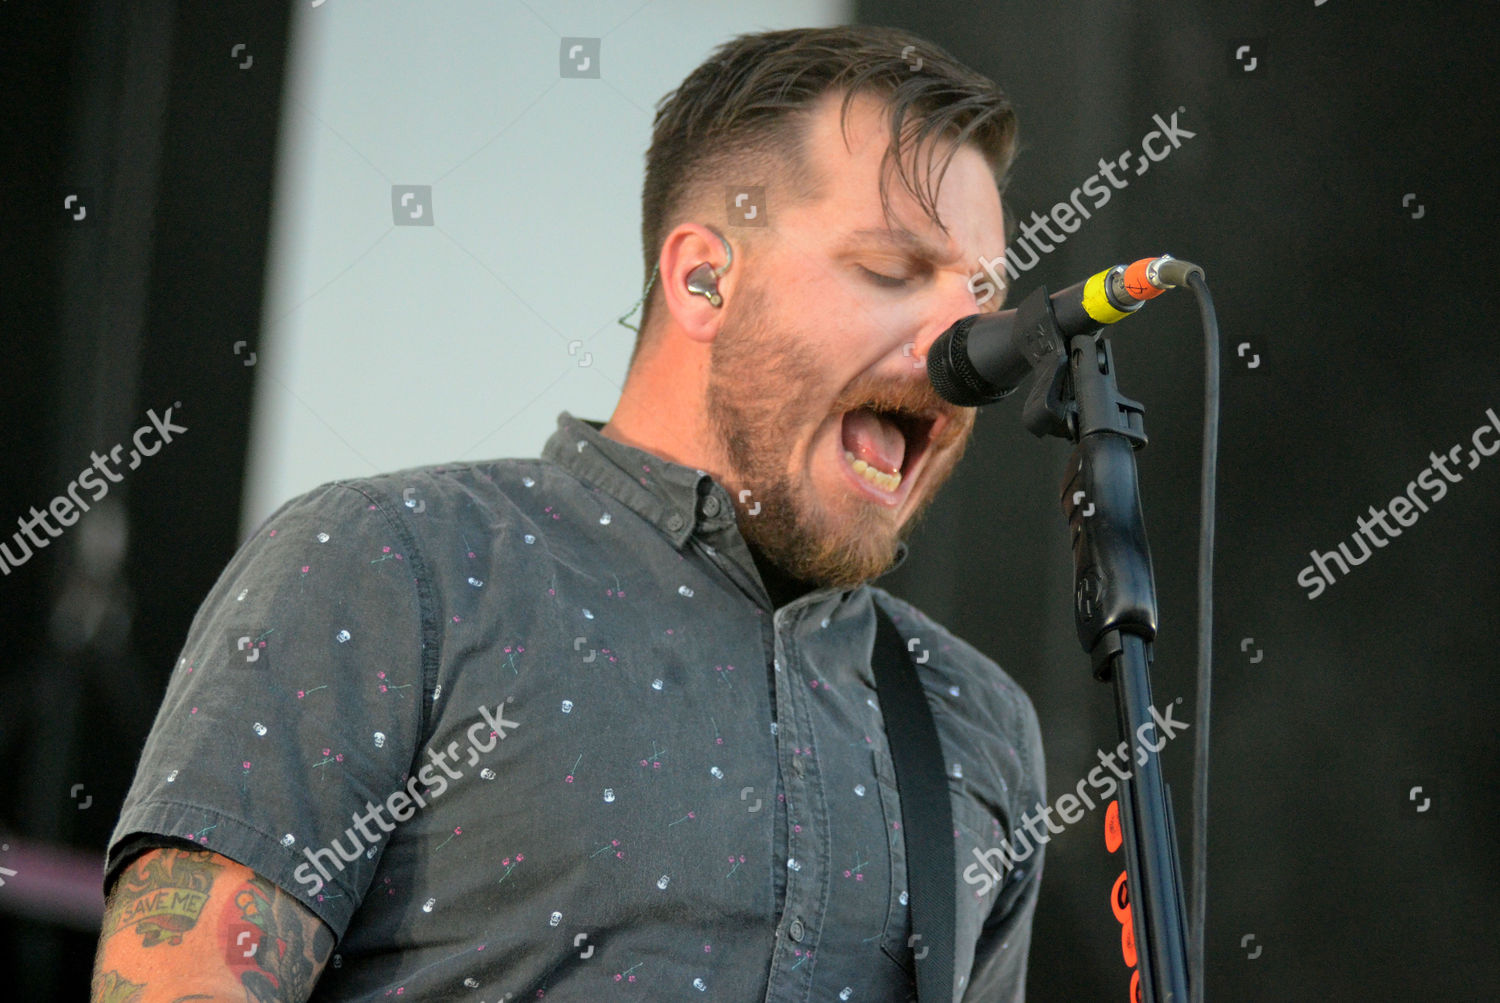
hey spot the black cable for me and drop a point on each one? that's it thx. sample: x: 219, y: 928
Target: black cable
x: 1209, y: 475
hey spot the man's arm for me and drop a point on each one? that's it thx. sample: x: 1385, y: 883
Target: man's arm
x: 194, y: 925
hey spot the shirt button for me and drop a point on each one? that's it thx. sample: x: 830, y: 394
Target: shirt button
x: 711, y: 506
x: 675, y: 522
x: 795, y: 930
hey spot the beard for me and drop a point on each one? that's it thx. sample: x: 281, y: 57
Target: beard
x: 762, y: 385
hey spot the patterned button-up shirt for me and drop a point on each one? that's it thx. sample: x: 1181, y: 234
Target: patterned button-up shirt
x: 534, y: 727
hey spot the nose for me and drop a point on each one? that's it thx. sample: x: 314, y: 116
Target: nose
x: 952, y: 301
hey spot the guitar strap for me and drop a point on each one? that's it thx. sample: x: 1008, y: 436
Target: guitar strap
x: 926, y: 813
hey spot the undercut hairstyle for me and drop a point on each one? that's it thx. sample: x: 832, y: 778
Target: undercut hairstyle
x: 741, y: 118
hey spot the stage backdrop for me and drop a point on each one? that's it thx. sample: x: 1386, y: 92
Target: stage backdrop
x: 1330, y: 169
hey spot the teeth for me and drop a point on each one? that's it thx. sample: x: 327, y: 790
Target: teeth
x: 884, y: 481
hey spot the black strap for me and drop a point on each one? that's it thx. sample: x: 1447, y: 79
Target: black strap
x: 926, y: 814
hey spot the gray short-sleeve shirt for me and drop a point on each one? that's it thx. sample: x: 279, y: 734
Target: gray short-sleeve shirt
x: 532, y: 726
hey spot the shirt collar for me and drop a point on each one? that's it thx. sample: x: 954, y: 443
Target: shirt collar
x: 678, y: 500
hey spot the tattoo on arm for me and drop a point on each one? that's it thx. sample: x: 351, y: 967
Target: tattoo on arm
x: 112, y: 987
x: 259, y: 944
x: 275, y: 933
x: 162, y: 896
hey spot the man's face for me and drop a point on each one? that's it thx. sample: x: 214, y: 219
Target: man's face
x: 817, y: 327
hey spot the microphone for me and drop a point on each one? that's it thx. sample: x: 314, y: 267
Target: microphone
x: 985, y: 356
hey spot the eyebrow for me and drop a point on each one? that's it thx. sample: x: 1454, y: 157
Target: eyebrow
x: 905, y: 240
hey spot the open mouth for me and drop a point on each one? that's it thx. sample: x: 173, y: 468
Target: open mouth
x: 884, y: 447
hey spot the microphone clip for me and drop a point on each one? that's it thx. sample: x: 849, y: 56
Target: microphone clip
x: 1052, y: 405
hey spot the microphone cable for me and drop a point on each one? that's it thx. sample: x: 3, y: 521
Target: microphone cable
x: 1207, y: 496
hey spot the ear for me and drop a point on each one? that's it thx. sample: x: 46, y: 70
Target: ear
x: 686, y: 247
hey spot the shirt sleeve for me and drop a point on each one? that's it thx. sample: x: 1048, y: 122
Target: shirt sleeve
x: 1000, y: 954
x: 298, y: 699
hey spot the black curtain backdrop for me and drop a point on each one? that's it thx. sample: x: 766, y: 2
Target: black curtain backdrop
x: 1340, y: 196
x: 127, y: 300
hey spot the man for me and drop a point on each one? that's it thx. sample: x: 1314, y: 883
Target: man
x: 603, y: 724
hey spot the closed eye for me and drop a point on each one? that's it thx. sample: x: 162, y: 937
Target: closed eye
x: 884, y: 281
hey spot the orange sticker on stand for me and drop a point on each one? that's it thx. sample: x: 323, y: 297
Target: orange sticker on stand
x: 1127, y: 942
x: 1113, y: 837
x: 1119, y: 899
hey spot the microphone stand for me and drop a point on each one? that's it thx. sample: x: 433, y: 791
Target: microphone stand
x: 1114, y: 609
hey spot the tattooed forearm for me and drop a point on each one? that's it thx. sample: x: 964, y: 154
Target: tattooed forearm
x: 162, y: 895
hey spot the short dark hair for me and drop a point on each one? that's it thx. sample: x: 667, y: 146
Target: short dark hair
x: 740, y: 117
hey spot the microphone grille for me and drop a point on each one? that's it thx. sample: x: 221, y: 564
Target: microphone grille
x: 951, y: 373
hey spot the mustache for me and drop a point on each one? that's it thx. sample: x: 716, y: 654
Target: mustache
x: 912, y: 398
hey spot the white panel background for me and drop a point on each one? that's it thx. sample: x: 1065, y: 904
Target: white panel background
x: 389, y: 346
